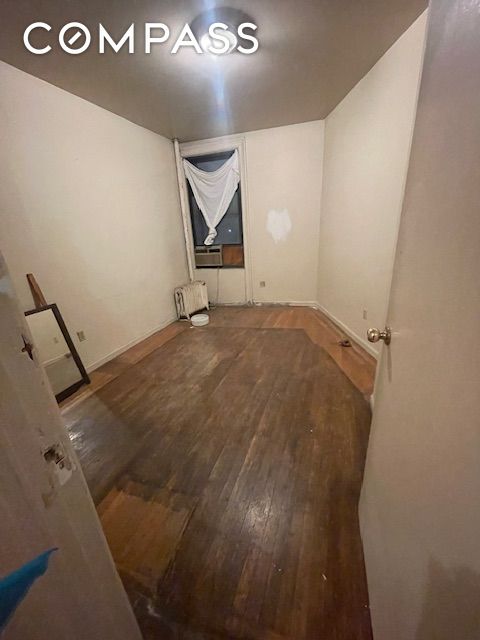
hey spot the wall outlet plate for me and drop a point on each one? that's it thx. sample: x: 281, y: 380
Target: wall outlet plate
x: 81, y: 336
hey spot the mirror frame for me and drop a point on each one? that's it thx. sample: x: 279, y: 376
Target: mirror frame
x: 78, y: 361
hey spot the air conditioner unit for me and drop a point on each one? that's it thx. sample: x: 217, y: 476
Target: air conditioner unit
x: 209, y: 256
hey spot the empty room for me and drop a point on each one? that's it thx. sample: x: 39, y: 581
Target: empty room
x: 239, y: 374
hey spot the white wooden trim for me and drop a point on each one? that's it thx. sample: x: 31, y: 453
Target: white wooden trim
x: 211, y: 145
x: 286, y: 303
x: 217, y: 145
x: 184, y: 208
x: 56, y: 359
x: 361, y: 341
x: 248, y: 260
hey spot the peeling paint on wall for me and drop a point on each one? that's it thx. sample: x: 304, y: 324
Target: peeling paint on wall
x: 279, y: 224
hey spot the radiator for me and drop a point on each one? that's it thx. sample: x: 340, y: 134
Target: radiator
x: 190, y: 298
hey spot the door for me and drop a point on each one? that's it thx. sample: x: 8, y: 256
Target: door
x: 45, y: 503
x: 420, y: 505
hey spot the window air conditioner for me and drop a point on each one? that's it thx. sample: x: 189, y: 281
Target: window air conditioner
x: 209, y: 256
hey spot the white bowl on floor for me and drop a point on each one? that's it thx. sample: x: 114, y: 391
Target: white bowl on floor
x: 200, y: 319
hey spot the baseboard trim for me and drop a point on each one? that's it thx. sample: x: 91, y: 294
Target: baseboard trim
x: 228, y: 304
x: 361, y: 341
x: 132, y: 343
x: 289, y: 303
x: 56, y: 359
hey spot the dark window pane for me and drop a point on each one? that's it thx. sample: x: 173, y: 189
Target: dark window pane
x: 229, y: 230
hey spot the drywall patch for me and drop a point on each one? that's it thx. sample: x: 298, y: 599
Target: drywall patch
x: 279, y: 224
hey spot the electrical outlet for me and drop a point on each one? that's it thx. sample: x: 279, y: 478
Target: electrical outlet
x: 365, y: 314
x: 262, y: 283
x: 81, y: 336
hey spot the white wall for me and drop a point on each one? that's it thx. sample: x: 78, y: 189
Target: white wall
x: 284, y: 168
x: 367, y: 143
x: 89, y: 204
x: 225, y: 286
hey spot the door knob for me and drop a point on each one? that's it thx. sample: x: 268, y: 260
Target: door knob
x: 374, y: 335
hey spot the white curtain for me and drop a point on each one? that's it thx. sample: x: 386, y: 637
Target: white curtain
x: 213, y: 191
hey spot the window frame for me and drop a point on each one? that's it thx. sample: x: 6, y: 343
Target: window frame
x: 204, y: 147
x: 213, y: 156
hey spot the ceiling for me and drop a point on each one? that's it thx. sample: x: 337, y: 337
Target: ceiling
x: 312, y: 52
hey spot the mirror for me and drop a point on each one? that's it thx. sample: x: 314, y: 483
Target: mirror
x: 56, y: 351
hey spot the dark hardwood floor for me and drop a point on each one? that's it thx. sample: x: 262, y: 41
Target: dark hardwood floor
x: 226, y: 465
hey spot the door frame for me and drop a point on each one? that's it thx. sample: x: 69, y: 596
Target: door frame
x: 46, y: 503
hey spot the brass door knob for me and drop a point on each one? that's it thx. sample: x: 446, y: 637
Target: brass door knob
x: 374, y: 335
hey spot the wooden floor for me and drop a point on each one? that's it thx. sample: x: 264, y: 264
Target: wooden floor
x: 226, y: 465
x: 355, y: 362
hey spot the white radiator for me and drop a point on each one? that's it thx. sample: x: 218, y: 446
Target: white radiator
x: 190, y: 298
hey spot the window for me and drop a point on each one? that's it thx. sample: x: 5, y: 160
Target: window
x: 229, y: 240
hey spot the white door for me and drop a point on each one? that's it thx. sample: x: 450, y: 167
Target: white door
x: 42, y: 506
x: 420, y: 506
